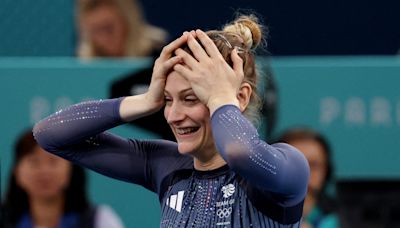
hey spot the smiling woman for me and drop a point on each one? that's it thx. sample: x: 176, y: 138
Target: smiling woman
x: 219, y: 172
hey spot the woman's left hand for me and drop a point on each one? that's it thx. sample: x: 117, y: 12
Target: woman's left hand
x: 213, y: 81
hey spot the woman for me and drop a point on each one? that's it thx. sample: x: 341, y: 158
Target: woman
x: 116, y: 28
x: 218, y: 173
x: 47, y: 191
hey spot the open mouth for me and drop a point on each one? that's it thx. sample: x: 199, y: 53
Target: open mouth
x: 186, y: 130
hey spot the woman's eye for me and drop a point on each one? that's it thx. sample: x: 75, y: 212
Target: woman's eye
x: 191, y: 99
x: 167, y: 99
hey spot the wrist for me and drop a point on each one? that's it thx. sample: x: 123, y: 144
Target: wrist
x: 152, y: 105
x: 216, y: 103
x: 134, y: 107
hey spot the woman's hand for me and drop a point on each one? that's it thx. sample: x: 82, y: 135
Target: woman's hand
x: 162, y: 67
x: 213, y: 81
x: 137, y: 106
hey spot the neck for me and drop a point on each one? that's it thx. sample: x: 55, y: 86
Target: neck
x: 47, y: 212
x: 213, y: 162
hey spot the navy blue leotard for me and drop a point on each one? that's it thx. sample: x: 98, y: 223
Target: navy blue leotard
x: 262, y: 185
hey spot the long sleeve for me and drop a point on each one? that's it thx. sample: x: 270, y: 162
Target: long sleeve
x: 278, y: 168
x: 78, y: 133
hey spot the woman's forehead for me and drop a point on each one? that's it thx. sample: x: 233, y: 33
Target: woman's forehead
x: 176, y: 81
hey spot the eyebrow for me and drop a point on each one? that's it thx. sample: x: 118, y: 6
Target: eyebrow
x: 181, y: 92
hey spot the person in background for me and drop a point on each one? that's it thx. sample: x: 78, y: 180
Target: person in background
x: 319, y: 207
x: 116, y: 28
x: 47, y: 191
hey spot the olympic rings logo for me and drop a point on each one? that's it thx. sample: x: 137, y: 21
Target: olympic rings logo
x: 224, y: 212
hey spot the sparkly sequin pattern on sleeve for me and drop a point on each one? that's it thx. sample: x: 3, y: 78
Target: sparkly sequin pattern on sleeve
x: 278, y: 168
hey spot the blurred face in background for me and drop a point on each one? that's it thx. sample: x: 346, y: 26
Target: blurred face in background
x: 106, y: 29
x: 316, y: 157
x: 43, y: 175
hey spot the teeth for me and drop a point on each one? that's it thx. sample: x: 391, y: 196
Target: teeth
x: 188, y: 130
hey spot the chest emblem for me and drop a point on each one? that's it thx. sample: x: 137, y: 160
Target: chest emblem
x: 228, y: 190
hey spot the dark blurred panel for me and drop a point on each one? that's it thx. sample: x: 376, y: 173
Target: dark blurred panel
x: 330, y: 27
x: 369, y: 203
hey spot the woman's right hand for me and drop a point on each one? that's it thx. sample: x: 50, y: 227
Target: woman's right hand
x: 162, y: 67
x: 137, y: 106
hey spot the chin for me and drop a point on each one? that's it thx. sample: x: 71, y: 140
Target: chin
x: 185, y: 149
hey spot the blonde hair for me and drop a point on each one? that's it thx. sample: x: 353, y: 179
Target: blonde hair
x: 143, y: 38
x: 246, y: 34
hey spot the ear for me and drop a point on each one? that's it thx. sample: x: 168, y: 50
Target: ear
x: 244, y: 95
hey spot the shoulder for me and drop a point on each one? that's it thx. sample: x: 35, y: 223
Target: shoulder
x: 105, y: 217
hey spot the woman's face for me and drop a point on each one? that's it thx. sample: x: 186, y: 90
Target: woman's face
x: 188, y: 118
x: 315, y: 155
x: 43, y: 175
x: 107, y: 30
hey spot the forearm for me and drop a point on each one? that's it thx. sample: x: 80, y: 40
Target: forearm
x: 277, y: 168
x: 77, y: 133
x: 76, y: 123
x: 135, y: 107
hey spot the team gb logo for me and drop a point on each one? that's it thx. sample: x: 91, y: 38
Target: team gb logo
x: 228, y: 190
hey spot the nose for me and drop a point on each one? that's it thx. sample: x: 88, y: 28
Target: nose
x: 174, y: 113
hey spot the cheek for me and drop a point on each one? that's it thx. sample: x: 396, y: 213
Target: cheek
x: 23, y: 176
x: 166, y: 112
x: 201, y: 113
x: 317, y: 179
x: 119, y: 32
x: 63, y: 172
x: 205, y: 116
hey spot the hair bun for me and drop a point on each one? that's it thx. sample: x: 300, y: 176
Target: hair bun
x: 248, y: 28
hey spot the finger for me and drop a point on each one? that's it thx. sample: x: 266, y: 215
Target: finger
x: 171, y: 62
x: 171, y: 47
x: 197, y: 50
x: 237, y: 63
x: 182, y: 70
x: 208, y: 44
x: 193, y: 33
x: 187, y: 58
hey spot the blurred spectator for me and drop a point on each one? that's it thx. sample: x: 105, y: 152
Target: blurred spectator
x: 116, y: 28
x: 319, y: 207
x: 47, y: 191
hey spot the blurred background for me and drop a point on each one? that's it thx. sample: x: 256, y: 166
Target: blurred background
x: 333, y: 66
